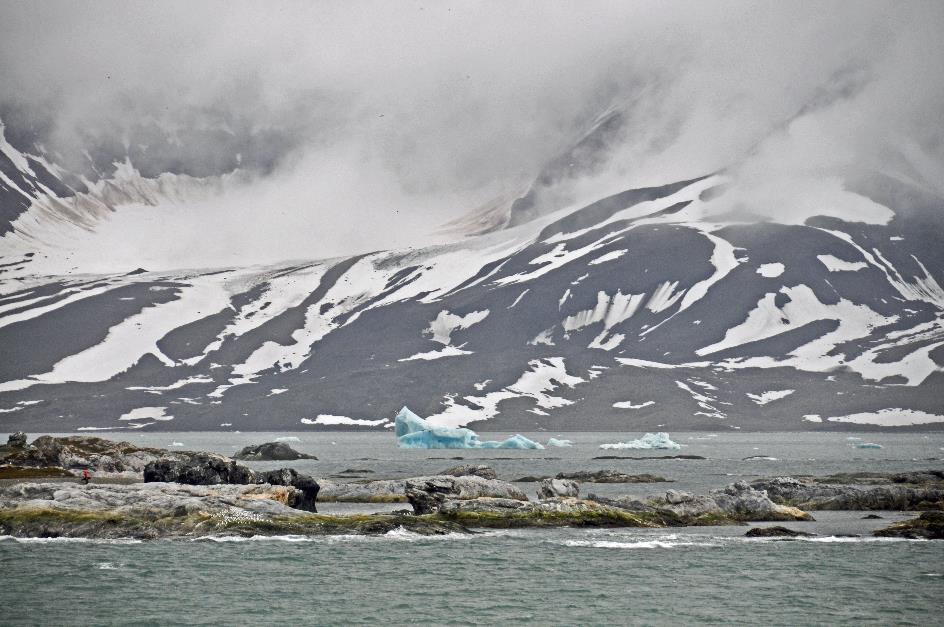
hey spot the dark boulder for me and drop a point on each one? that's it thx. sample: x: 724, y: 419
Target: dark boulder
x: 198, y: 469
x: 270, y: 451
x: 17, y: 440
x: 775, y: 532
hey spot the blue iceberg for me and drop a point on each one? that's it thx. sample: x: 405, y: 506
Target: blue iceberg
x: 869, y: 445
x: 414, y: 432
x: 560, y: 443
x: 659, y: 440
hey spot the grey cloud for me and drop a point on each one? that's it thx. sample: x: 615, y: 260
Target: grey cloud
x: 436, y: 108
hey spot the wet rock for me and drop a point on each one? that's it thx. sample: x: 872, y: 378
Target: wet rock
x: 809, y: 494
x: 471, y: 470
x: 610, y: 476
x: 551, y: 488
x: 871, y: 517
x: 270, y: 451
x: 775, y: 532
x: 928, y: 526
x: 17, y: 440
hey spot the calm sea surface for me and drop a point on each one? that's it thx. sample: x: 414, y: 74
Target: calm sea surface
x: 564, y: 576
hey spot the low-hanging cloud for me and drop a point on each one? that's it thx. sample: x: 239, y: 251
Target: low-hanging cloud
x: 367, y: 125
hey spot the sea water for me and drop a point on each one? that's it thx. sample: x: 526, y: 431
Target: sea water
x: 842, y: 575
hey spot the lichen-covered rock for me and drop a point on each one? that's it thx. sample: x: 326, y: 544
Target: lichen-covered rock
x: 551, y: 488
x: 17, y: 440
x: 270, y: 451
x: 809, y: 494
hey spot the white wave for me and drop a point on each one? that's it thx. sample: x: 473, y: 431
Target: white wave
x: 63, y: 540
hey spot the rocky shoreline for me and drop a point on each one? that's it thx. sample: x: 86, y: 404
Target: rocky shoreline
x: 190, y: 494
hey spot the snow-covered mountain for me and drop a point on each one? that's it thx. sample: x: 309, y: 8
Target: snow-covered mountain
x: 645, y: 309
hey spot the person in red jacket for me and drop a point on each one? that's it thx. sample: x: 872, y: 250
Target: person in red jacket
x: 86, y: 476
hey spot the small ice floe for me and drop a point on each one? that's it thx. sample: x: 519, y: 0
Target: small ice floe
x: 175, y: 443
x: 560, y: 443
x: 288, y: 438
x: 659, y: 440
x: 758, y: 458
x: 869, y: 445
x: 226, y: 424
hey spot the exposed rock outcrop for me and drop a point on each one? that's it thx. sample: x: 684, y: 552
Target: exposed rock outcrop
x: 152, y: 510
x: 736, y: 502
x: 809, y: 494
x: 775, y: 532
x: 471, y: 470
x: 428, y: 494
x: 16, y: 440
x: 212, y: 469
x: 551, y: 488
x: 79, y: 452
x: 198, y: 469
x: 270, y: 451
x: 610, y: 476
x: 928, y: 526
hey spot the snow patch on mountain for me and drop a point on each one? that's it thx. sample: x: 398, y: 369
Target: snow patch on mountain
x: 890, y: 418
x: 835, y: 264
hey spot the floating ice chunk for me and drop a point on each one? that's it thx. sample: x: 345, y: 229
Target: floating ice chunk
x: 288, y: 438
x: 414, y: 432
x: 515, y: 441
x: 869, y: 445
x: 560, y: 443
x: 659, y: 440
x: 813, y: 418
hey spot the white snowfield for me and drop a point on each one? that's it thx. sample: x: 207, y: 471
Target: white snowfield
x: 835, y: 264
x: 890, y: 418
x: 329, y: 420
x: 629, y: 405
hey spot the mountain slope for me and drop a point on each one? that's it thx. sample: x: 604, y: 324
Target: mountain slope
x: 643, y: 310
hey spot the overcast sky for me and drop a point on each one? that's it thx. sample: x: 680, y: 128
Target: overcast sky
x: 368, y: 124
